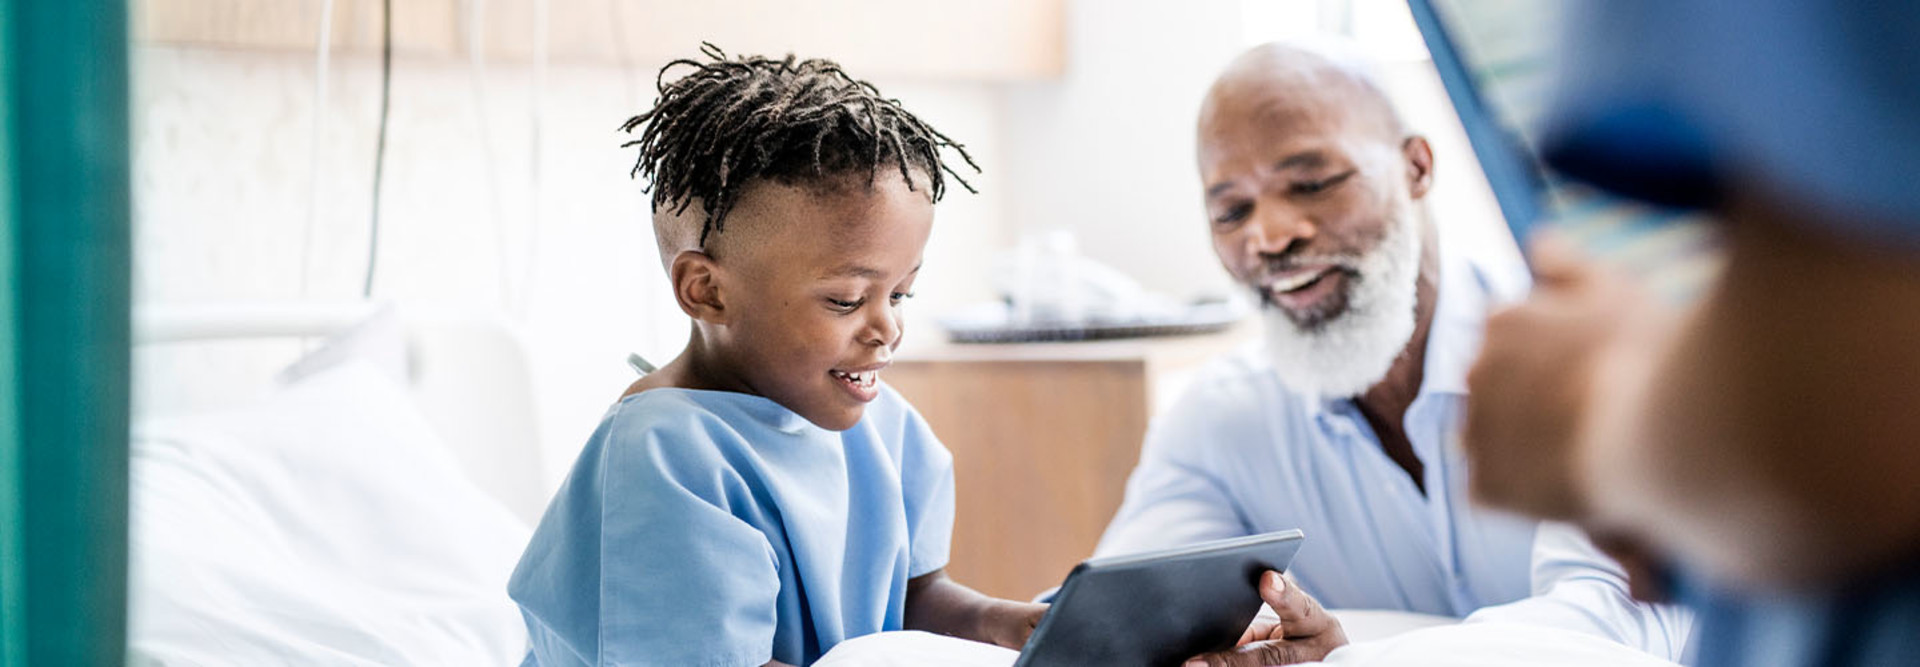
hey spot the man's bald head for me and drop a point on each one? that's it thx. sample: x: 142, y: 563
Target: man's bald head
x: 1279, y: 79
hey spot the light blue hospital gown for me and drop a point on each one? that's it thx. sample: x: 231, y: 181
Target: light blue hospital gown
x: 716, y: 528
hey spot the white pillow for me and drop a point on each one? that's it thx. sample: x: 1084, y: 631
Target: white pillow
x: 327, y: 525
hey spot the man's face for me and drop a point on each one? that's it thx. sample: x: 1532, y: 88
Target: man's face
x: 1298, y: 190
x: 813, y: 299
x: 1309, y: 196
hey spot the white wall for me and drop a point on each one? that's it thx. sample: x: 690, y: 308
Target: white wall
x: 1108, y: 152
x: 221, y: 178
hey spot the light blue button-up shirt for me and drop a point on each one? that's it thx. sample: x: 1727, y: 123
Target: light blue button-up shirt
x: 1239, y: 454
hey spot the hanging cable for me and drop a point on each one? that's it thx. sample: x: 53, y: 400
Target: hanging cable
x: 380, y: 142
x: 537, y: 119
x: 323, y: 49
x: 477, y: 78
x: 621, y: 49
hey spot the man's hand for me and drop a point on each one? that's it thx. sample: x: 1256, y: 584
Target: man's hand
x: 1009, y: 624
x: 1304, y: 632
x: 1542, y: 367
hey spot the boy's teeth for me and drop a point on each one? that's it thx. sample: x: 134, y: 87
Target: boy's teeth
x: 865, y: 379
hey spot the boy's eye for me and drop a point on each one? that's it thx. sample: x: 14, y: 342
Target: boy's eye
x: 897, y: 297
x: 846, y: 306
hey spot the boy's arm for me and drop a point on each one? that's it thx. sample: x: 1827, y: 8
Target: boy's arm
x: 941, y: 605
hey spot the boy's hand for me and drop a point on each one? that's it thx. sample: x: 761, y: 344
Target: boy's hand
x: 1304, y: 633
x: 1009, y: 624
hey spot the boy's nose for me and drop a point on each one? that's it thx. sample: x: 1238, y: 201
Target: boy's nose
x: 884, y: 329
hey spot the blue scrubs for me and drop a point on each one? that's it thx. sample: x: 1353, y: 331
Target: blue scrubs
x: 717, y: 528
x: 1816, y: 102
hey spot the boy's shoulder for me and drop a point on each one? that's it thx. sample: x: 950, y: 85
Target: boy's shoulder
x: 686, y: 426
x: 728, y: 419
x: 665, y: 411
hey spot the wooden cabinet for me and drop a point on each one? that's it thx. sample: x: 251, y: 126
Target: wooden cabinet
x: 1043, y: 437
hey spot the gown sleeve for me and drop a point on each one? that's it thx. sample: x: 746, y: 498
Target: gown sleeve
x: 642, y: 560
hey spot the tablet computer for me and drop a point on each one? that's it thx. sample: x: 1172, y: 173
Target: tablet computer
x: 1158, y: 608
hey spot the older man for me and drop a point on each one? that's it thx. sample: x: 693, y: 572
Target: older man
x: 1344, y: 421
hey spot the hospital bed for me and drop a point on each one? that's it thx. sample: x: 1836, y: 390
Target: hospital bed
x: 352, y: 484
x: 328, y: 484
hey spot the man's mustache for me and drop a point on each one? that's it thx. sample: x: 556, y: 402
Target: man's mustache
x: 1290, y: 262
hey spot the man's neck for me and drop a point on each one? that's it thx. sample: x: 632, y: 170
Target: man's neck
x: 1385, y: 404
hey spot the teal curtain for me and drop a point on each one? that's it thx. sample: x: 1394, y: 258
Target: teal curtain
x: 64, y: 339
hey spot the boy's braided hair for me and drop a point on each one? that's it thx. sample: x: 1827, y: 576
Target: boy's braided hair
x: 733, y: 120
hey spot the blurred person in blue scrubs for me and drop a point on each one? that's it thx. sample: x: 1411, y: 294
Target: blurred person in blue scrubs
x: 1343, y: 421
x: 1762, y: 440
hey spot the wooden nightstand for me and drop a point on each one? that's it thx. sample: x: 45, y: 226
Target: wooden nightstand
x: 1043, y: 437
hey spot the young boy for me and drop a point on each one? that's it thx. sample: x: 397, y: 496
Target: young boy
x: 763, y: 497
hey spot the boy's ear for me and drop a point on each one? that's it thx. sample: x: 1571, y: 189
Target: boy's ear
x: 696, y: 286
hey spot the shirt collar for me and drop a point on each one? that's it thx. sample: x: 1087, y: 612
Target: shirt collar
x: 1473, y: 282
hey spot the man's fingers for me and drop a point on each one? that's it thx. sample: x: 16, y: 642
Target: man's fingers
x: 1277, y: 592
x: 1300, y: 615
x: 1259, y: 629
x: 1259, y: 654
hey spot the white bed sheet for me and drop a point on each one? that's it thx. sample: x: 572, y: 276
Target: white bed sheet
x: 327, y: 525
x: 1418, y: 643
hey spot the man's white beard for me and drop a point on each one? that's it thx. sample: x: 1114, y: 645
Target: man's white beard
x: 1344, y: 356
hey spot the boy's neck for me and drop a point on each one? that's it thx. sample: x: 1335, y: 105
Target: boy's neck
x: 699, y: 366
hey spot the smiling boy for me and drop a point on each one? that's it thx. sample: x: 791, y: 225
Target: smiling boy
x: 763, y: 496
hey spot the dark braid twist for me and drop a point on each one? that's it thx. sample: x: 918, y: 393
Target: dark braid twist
x: 734, y: 120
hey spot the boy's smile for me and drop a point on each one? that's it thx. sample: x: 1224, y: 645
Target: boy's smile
x: 860, y: 383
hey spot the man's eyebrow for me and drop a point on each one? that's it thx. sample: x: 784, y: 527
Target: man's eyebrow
x: 1307, y: 159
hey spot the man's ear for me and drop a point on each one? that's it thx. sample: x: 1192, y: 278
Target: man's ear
x: 1419, y: 158
x: 696, y: 286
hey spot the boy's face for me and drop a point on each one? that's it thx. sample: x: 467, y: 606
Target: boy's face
x: 812, y: 281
